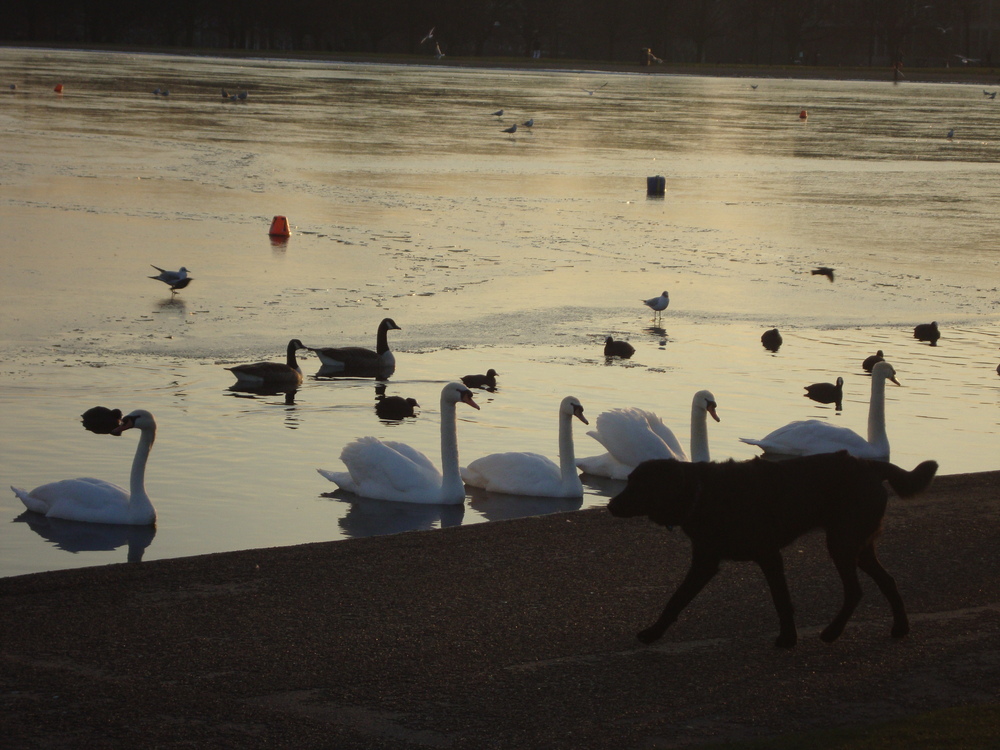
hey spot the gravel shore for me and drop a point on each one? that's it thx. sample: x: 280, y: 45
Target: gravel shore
x: 512, y: 634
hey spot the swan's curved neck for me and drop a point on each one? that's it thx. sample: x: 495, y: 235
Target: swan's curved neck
x: 139, y: 502
x: 451, y: 477
x: 567, y: 457
x: 876, y: 414
x: 699, y: 434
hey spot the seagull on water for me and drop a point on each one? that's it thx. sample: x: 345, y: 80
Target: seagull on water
x: 176, y: 280
x: 498, y: 113
x: 658, y: 304
x: 529, y: 123
x: 512, y: 129
x: 590, y: 92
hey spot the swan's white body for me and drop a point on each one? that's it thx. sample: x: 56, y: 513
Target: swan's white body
x: 811, y: 436
x: 525, y: 473
x: 385, y: 470
x: 632, y: 435
x: 97, y: 501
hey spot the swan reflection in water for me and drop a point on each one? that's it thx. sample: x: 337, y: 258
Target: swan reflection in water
x: 368, y: 517
x: 79, y: 536
x: 496, y: 506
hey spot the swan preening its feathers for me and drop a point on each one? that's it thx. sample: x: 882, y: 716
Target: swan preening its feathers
x: 531, y: 473
x: 264, y: 374
x: 632, y: 435
x: 812, y: 436
x: 97, y: 501
x: 358, y: 360
x: 385, y: 470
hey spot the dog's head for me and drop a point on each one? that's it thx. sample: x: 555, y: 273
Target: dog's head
x: 663, y: 489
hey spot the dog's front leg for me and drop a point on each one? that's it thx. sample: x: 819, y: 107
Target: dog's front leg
x: 774, y: 571
x: 703, y: 568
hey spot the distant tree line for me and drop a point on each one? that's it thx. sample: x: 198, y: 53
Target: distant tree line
x: 760, y: 32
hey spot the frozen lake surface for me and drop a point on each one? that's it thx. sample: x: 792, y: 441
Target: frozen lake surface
x: 518, y: 253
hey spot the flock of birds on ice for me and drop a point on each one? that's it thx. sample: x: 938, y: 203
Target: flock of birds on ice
x: 395, y: 471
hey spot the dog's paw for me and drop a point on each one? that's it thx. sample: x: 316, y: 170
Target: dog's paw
x: 786, y: 640
x: 649, y: 635
x: 900, y: 629
x: 830, y: 634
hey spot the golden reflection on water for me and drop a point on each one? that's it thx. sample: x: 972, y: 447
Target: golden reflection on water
x: 522, y: 255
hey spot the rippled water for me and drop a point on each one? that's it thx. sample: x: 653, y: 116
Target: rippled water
x: 519, y: 253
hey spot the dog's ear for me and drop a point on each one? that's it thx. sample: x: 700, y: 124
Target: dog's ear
x: 677, y: 486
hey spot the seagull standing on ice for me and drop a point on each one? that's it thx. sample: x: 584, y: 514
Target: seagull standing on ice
x: 176, y: 280
x: 658, y: 304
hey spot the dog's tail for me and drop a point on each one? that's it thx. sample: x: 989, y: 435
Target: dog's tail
x: 909, y: 483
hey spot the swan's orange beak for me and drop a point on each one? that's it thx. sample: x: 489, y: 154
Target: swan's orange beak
x: 711, y: 410
x: 578, y: 413
x: 893, y: 379
x: 126, y: 424
x: 467, y: 398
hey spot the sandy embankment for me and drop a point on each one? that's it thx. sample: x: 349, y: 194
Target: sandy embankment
x: 516, y: 634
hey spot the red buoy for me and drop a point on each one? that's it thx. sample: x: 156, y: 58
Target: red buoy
x: 279, y: 227
x: 803, y: 115
x: 58, y: 88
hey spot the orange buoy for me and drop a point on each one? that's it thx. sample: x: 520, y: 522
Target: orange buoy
x: 279, y: 227
x: 58, y: 88
x: 803, y: 115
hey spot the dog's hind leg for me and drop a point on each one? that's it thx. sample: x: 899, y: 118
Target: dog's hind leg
x: 870, y: 564
x: 845, y: 557
x: 702, y: 570
x: 774, y: 571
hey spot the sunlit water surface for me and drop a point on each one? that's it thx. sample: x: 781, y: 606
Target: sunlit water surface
x: 518, y: 253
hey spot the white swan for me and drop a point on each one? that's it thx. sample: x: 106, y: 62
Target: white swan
x: 531, y: 473
x: 95, y: 500
x: 395, y: 471
x: 812, y: 436
x: 634, y: 435
x: 262, y: 374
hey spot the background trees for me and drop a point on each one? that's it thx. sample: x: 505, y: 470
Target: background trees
x: 827, y: 32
